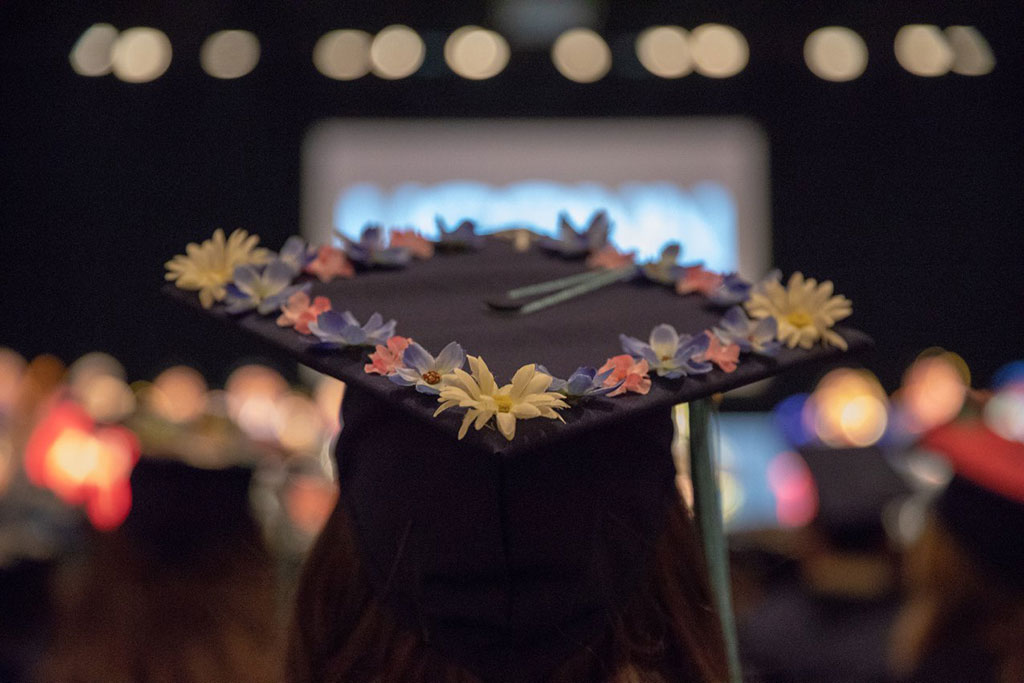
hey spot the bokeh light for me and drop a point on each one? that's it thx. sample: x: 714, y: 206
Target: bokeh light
x: 178, y: 394
x: 92, y: 52
x: 252, y: 395
x: 796, y: 496
x: 396, y: 52
x: 1011, y: 373
x: 141, y: 54
x: 848, y: 408
x: 229, y: 54
x: 719, y: 51
x: 665, y: 51
x: 343, y: 55
x: 308, y: 501
x: 972, y: 55
x: 476, y: 53
x: 12, y: 374
x: 933, y: 390
x: 328, y: 395
x: 298, y: 424
x: 789, y: 417
x: 922, y: 49
x: 1004, y: 413
x: 835, y: 53
x: 581, y: 55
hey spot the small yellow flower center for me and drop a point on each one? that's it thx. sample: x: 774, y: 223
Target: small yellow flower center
x: 800, y: 318
x: 504, y: 403
x: 666, y: 357
x: 431, y: 377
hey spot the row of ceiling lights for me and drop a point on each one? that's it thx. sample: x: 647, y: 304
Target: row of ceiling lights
x: 833, y: 53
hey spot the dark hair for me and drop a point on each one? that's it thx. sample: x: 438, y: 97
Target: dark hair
x: 669, y: 630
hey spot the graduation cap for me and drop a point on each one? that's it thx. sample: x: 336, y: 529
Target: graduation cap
x: 509, y: 469
x: 983, y: 504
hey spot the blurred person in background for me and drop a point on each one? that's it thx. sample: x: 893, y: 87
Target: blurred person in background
x: 963, y: 619
x: 183, y: 591
x: 830, y: 621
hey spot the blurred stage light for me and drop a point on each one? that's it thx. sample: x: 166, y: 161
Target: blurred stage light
x: 91, y: 54
x: 476, y: 53
x: 848, y: 408
x: 343, y: 55
x: 933, y: 390
x: 664, y: 51
x: 141, y: 54
x: 396, y: 52
x: 12, y: 373
x: 1009, y: 374
x: 1004, y: 413
x: 229, y: 54
x: 328, y: 394
x: 298, y: 424
x: 835, y: 53
x: 972, y: 54
x: 718, y: 51
x: 796, y: 496
x: 923, y: 50
x: 178, y: 394
x: 581, y: 55
x: 252, y: 395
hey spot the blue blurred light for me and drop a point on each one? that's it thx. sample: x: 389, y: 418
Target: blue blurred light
x: 644, y: 215
x: 789, y: 416
x: 1011, y: 373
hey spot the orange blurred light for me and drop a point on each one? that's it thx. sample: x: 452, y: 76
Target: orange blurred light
x: 252, y: 394
x: 309, y: 502
x: 933, y: 391
x: 848, y: 408
x: 298, y: 424
x: 328, y: 395
x: 12, y: 371
x: 178, y: 394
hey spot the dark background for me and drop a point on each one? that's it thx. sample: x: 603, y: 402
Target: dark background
x: 906, y: 191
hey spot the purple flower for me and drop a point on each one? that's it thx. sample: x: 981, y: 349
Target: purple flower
x: 665, y: 270
x: 341, y: 330
x: 577, y: 244
x: 462, y: 238
x: 425, y: 372
x: 371, y: 250
x: 263, y: 288
x: 733, y: 290
x: 584, y: 383
x: 669, y: 353
x: 297, y: 254
x: 752, y: 336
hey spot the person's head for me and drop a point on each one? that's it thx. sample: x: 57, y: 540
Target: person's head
x: 965, y: 574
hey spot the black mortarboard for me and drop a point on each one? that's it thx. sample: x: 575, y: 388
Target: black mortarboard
x: 855, y: 485
x: 509, y: 555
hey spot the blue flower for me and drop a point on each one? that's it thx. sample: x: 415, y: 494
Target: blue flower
x: 297, y: 254
x: 423, y: 371
x: 264, y: 289
x: 665, y: 270
x: 583, y: 383
x: 340, y: 330
x: 733, y: 290
x: 462, y: 238
x: 752, y: 336
x: 371, y: 249
x: 669, y: 353
x: 577, y: 244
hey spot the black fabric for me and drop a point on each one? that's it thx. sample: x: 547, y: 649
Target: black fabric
x: 989, y: 526
x: 854, y: 487
x: 442, y: 300
x: 509, y: 565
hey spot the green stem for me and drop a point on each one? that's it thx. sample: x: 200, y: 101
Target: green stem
x: 597, y: 282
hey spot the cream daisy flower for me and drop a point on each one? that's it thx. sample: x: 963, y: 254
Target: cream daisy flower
x: 210, y: 266
x: 525, y: 398
x: 804, y: 310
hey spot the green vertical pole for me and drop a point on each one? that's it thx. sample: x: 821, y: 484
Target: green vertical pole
x: 708, y: 511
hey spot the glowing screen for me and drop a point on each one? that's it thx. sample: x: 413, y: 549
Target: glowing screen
x: 700, y: 182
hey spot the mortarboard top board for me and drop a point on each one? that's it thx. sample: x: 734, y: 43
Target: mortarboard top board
x: 509, y: 555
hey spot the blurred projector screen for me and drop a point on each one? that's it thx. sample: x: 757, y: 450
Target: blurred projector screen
x: 700, y: 181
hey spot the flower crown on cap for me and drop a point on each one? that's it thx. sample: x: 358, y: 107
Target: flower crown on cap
x: 759, y: 318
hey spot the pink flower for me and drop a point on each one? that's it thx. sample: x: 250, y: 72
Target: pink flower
x: 330, y: 262
x: 298, y: 312
x: 420, y: 246
x: 724, y: 356
x: 698, y: 279
x: 387, y: 359
x: 632, y: 374
x: 610, y: 258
